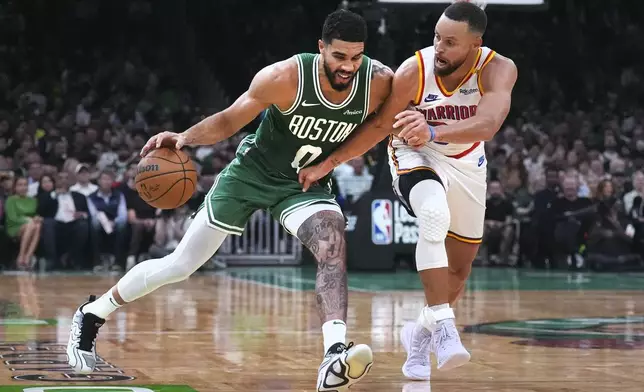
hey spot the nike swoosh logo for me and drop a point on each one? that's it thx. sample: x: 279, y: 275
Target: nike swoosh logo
x: 310, y: 104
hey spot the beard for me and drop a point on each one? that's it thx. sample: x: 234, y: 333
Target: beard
x: 331, y: 77
x: 448, y: 69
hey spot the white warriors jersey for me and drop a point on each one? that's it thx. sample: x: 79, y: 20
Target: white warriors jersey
x: 443, y: 107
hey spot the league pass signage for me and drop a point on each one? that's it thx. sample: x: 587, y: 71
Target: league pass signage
x: 390, y: 223
x: 381, y: 222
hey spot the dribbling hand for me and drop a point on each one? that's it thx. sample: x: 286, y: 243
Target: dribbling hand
x: 168, y: 139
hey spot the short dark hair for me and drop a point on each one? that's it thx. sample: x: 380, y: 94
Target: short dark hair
x: 345, y: 26
x: 107, y: 172
x: 470, y: 13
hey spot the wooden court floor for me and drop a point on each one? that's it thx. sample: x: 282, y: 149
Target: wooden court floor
x: 256, y: 329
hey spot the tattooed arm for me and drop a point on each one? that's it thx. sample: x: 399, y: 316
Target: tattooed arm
x: 323, y: 234
x: 381, y: 79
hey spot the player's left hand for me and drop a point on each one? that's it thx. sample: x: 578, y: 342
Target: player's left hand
x: 310, y: 175
x: 415, y: 131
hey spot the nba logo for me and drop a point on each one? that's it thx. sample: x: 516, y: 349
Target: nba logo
x: 381, y: 222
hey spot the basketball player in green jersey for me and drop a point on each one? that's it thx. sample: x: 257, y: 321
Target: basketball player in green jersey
x: 313, y: 104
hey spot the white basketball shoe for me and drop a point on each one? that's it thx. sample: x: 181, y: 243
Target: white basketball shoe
x: 447, y: 347
x: 417, y: 341
x: 81, y: 348
x: 344, y: 366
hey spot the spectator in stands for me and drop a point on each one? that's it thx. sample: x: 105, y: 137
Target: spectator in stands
x: 610, y: 147
x: 513, y: 175
x: 552, y: 189
x: 534, y: 163
x: 617, y: 169
x: 6, y: 184
x: 605, y: 190
x: 170, y: 228
x: 610, y: 242
x: 353, y: 179
x: 141, y: 217
x: 46, y: 197
x: 35, y: 171
x: 496, y: 162
x: 83, y: 186
x: 583, y: 190
x: 58, y: 155
x: 638, y: 190
x: 597, y: 172
x: 125, y: 158
x: 109, y: 157
x: 23, y: 223
x: 65, y: 223
x: 541, y: 224
x: 499, y: 229
x: 108, y: 211
x: 572, y: 217
x: 6, y: 189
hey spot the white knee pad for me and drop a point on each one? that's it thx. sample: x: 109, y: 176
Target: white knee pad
x: 433, y: 219
x: 429, y: 202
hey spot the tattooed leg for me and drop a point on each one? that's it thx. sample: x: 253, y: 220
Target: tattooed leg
x: 323, y: 234
x: 343, y: 365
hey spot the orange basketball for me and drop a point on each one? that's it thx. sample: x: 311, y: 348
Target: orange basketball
x: 166, y: 178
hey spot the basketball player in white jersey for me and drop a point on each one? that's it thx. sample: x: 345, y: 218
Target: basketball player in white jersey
x: 460, y: 94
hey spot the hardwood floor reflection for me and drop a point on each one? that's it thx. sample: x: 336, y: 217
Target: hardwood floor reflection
x: 257, y: 330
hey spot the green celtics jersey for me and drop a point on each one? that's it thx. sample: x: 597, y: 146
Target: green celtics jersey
x: 312, y: 128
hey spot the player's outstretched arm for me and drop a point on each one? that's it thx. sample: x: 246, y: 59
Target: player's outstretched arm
x: 275, y: 84
x: 378, y: 126
x: 498, y: 79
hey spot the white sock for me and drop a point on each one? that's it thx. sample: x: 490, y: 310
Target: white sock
x: 103, y: 306
x: 435, y: 308
x: 431, y: 316
x: 333, y: 331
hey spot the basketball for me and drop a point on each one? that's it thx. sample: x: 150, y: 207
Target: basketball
x: 166, y: 178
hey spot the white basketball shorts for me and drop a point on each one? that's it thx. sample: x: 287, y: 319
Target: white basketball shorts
x: 464, y: 179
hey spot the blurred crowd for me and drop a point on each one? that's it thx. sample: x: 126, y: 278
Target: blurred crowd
x: 71, y: 128
x: 77, y: 104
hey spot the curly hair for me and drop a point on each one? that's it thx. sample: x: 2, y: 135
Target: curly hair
x: 345, y: 26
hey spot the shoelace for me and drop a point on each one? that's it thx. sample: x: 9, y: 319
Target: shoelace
x: 421, y: 350
x: 341, y: 348
x: 444, y: 332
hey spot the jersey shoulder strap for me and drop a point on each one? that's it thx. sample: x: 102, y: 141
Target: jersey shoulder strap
x: 366, y: 74
x: 299, y: 58
x: 487, y: 55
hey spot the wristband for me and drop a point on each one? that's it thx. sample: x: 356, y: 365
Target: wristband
x: 432, y: 133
